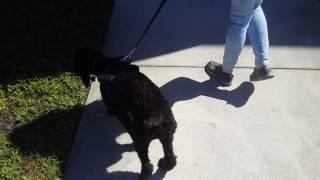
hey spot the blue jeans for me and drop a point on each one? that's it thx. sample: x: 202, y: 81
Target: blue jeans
x: 247, y: 17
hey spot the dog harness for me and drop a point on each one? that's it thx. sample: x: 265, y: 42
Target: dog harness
x: 109, y: 77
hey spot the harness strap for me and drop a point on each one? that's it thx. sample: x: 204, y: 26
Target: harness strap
x: 110, y: 77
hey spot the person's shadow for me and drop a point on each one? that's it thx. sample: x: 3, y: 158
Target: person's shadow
x: 184, y: 88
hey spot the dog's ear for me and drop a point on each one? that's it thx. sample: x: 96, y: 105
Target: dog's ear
x: 133, y: 68
x: 84, y: 60
x: 86, y: 79
x: 80, y: 61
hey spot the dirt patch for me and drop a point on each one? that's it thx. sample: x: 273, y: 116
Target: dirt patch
x: 6, y: 124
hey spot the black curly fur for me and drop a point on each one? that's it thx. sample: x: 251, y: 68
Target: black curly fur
x: 136, y: 101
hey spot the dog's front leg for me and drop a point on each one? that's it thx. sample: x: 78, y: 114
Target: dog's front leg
x: 141, y: 146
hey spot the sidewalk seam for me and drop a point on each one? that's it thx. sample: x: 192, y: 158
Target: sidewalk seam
x: 239, y: 67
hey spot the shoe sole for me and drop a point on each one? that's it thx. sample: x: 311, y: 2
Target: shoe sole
x: 212, y: 76
x: 261, y: 78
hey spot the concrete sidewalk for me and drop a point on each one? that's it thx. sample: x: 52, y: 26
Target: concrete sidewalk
x: 263, y: 130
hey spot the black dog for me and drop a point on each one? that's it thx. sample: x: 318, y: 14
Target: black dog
x: 135, y: 100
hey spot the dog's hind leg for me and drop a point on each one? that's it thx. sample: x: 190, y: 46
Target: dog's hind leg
x: 168, y: 162
x: 142, y: 145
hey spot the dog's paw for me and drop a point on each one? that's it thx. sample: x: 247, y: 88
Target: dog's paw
x: 147, y: 169
x: 167, y: 164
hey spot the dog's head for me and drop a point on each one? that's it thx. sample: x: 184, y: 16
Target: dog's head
x: 84, y: 61
x: 87, y: 62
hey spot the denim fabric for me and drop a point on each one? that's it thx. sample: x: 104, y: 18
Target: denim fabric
x: 246, y: 17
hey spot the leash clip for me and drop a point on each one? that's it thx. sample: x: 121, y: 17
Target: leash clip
x: 128, y: 58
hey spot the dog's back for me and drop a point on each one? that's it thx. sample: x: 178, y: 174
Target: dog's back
x: 135, y: 94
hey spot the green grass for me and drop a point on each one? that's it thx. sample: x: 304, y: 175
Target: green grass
x: 47, y: 111
x: 28, y: 99
x: 2, y: 99
x: 40, y: 100
x: 10, y: 160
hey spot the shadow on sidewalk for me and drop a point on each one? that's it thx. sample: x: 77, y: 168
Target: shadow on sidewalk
x: 96, y: 149
x: 183, y: 88
x: 125, y: 175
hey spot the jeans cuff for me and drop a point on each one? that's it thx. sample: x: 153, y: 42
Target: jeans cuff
x: 226, y: 70
x: 262, y: 63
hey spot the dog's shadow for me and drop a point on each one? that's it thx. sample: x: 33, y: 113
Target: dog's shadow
x: 183, y: 88
x: 95, y: 149
x: 114, y: 152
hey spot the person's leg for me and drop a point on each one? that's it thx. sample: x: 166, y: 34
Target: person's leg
x: 242, y: 11
x: 258, y: 35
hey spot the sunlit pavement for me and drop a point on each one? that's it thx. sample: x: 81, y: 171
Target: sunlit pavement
x: 251, y: 130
